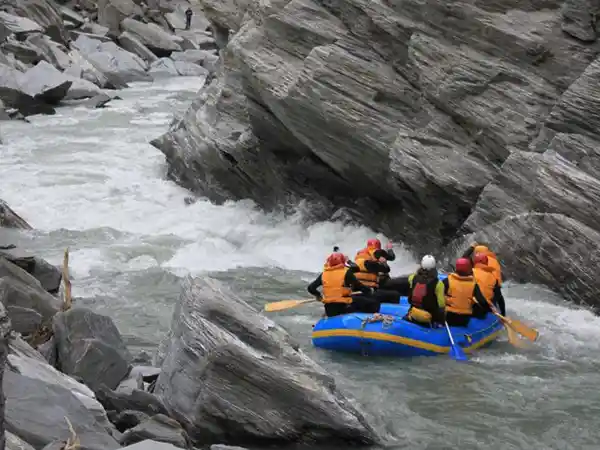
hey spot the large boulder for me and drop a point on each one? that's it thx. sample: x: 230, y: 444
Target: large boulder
x: 36, y: 411
x: 152, y: 36
x: 5, y: 330
x: 20, y: 26
x: 90, y: 347
x: 12, y: 95
x: 47, y: 274
x: 117, y: 65
x: 220, y: 363
x: 47, y: 75
x: 42, y: 82
x: 132, y: 44
x: 112, y: 12
x: 21, y: 290
x: 10, y: 219
x: 158, y: 428
x: 43, y: 12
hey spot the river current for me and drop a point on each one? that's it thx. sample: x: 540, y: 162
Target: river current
x: 87, y: 179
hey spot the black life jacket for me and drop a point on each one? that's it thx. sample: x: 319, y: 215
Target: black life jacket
x: 422, y: 292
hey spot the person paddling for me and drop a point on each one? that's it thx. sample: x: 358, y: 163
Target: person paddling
x: 338, y: 282
x: 462, y: 294
x: 485, y: 275
x: 373, y: 267
x: 426, y: 295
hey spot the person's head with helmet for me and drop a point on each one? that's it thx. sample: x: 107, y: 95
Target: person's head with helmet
x: 463, y: 267
x: 480, y: 258
x: 336, y: 259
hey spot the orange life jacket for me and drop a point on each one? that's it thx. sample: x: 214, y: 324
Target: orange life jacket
x: 334, y: 290
x: 364, y: 276
x: 459, y: 298
x: 485, y: 276
x: 492, y: 261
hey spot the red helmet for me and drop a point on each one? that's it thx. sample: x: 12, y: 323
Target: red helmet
x: 463, y: 266
x: 374, y: 243
x: 335, y: 259
x: 480, y: 258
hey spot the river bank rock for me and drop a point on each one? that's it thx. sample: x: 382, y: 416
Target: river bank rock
x: 10, y: 219
x: 90, y: 347
x: 220, y: 363
x: 94, y: 45
x: 424, y: 111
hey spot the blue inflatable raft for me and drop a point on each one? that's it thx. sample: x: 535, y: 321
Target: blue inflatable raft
x: 393, y: 336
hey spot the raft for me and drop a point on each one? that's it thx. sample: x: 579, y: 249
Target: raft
x: 391, y: 335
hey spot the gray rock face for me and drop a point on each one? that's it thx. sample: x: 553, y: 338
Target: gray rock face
x: 152, y: 36
x: 18, y: 25
x: 222, y: 361
x: 90, y: 347
x: 112, y: 12
x: 42, y: 12
x: 150, y: 445
x: 443, y: 118
x: 5, y: 329
x: 10, y: 219
x: 49, y: 276
x: 117, y: 65
x: 158, y: 428
x: 13, y: 442
x: 36, y: 411
x: 132, y: 44
x: 20, y: 289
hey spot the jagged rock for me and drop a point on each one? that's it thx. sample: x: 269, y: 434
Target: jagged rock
x: 20, y: 26
x: 42, y: 12
x: 41, y: 83
x: 68, y: 14
x: 47, y: 274
x: 158, y: 428
x: 24, y: 320
x: 117, y: 65
x: 36, y: 411
x: 162, y: 68
x: 98, y: 101
x: 193, y: 56
x: 95, y: 29
x: 90, y: 347
x: 97, y: 37
x: 579, y: 18
x: 49, y: 75
x: 112, y: 12
x: 14, y: 442
x: 5, y: 331
x: 127, y: 419
x: 132, y: 44
x: 28, y: 362
x: 21, y: 289
x: 51, y: 51
x: 226, y: 447
x: 10, y: 219
x: 82, y: 68
x: 24, y: 52
x: 160, y: 42
x: 136, y: 400
x: 188, y: 69
x: 137, y: 378
x: 222, y: 360
x: 150, y: 445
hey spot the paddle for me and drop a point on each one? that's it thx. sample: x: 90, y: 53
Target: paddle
x: 287, y: 304
x: 530, y: 333
x: 456, y: 352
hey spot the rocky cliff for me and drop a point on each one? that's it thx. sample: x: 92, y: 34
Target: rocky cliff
x: 436, y: 122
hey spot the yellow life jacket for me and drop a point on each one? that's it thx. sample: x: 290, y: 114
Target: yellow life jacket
x: 334, y: 290
x: 459, y: 298
x: 492, y: 261
x: 367, y: 278
x: 485, y: 276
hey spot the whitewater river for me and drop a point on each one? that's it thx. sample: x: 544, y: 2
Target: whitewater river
x: 89, y: 180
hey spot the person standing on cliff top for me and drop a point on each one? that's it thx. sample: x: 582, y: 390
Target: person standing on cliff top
x: 188, y: 18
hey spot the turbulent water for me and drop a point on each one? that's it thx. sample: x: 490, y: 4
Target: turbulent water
x: 89, y: 180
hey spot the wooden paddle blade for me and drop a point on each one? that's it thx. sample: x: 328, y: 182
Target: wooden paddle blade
x: 286, y: 304
x: 514, y: 338
x: 530, y: 333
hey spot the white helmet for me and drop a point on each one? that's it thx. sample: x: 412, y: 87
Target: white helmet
x: 428, y: 262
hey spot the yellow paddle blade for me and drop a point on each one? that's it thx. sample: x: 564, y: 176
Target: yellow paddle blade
x: 514, y: 338
x: 287, y: 304
x: 530, y: 333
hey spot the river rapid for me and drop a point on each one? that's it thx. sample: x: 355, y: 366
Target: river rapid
x: 89, y: 180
